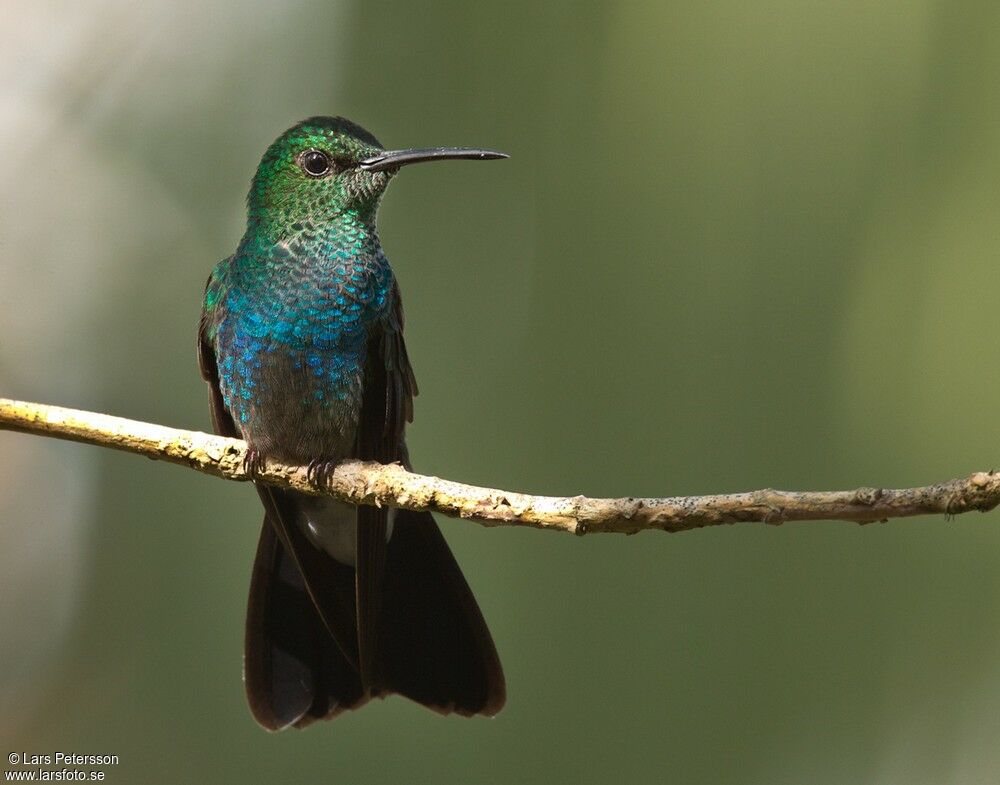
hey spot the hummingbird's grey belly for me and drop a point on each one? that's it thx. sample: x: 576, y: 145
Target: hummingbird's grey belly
x: 297, y: 415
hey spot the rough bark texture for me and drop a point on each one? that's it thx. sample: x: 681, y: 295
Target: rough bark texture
x: 372, y: 483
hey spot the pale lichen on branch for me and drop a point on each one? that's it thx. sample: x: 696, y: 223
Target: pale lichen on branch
x: 372, y: 483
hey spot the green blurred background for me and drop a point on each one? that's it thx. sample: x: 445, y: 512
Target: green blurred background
x: 737, y: 244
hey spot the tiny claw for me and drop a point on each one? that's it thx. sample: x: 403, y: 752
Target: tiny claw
x: 253, y: 463
x: 319, y: 472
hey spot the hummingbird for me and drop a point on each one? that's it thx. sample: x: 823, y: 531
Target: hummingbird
x: 301, y: 344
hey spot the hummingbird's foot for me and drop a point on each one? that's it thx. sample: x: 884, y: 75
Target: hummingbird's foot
x: 253, y: 463
x: 319, y: 472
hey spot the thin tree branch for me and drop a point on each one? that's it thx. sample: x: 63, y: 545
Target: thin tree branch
x: 372, y: 483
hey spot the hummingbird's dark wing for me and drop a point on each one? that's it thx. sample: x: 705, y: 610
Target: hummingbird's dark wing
x: 294, y: 671
x: 222, y: 422
x: 420, y: 630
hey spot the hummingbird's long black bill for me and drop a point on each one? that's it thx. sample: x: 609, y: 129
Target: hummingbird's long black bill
x: 391, y: 159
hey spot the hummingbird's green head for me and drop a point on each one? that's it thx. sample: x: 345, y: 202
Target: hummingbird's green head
x: 311, y: 173
x: 327, y: 166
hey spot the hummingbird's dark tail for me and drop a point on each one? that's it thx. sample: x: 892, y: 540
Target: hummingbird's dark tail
x: 302, y: 658
x: 434, y: 646
x: 293, y: 670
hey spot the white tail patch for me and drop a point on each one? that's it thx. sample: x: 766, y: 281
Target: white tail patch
x: 331, y: 525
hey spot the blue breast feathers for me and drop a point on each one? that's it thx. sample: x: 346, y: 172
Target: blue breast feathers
x: 298, y: 336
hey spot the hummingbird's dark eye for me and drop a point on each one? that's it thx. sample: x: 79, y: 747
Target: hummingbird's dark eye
x: 315, y: 162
